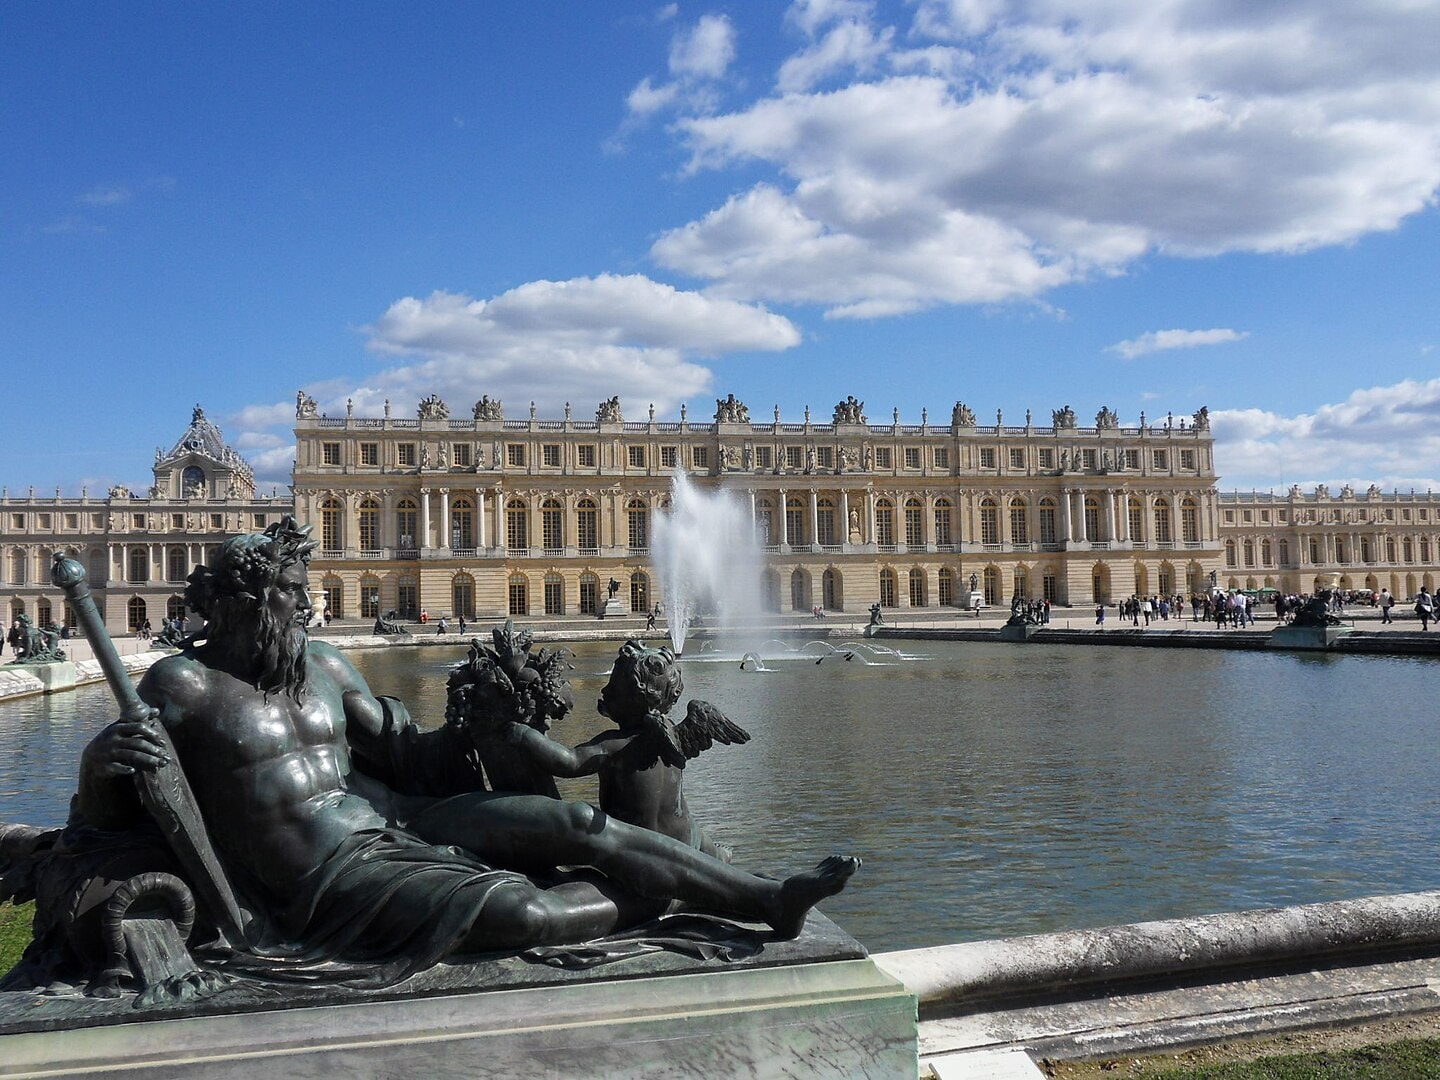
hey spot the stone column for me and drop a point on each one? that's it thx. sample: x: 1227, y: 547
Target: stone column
x: 814, y: 517
x: 1110, y: 517
x: 1067, y: 498
x: 783, y: 524
x: 480, y: 517
x: 870, y: 516
x: 445, y: 518
x: 424, y: 539
x: 1080, y: 517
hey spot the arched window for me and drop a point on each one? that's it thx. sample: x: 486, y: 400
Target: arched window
x: 1265, y: 552
x: 914, y: 523
x: 639, y: 591
x: 517, y: 529
x: 554, y: 594
x: 917, y: 587
x: 331, y: 516
x: 1389, y: 549
x: 799, y: 594
x: 1135, y: 521
x: 174, y: 610
x: 825, y: 523
x: 885, y: 523
x: 1189, y: 521
x: 1045, y: 521
x: 333, y: 590
x: 462, y: 526
x: 944, y: 538
x: 945, y: 591
x: 589, y: 594
x: 1167, y: 579
x: 175, y: 563
x: 887, y: 587
x: 990, y: 582
x: 637, y: 517
x: 552, y: 526
x: 1408, y: 547
x: 192, y: 482
x: 518, y: 595
x: 770, y: 590
x: 1162, y: 521
x: 989, y: 521
x: 462, y: 596
x: 1019, y: 522
x: 135, y: 614
x: 44, y: 616
x: 407, y: 596
x: 1282, y: 551
x: 139, y: 565
x: 369, y: 522
x: 369, y: 597
x: 764, y: 523
x: 794, y: 522
x: 830, y: 586
x: 1249, y: 549
x: 587, y: 526
x: 405, y: 525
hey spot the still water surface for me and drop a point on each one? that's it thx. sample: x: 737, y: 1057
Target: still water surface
x: 996, y: 790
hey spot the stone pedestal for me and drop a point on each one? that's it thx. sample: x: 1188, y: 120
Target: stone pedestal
x: 976, y: 601
x: 816, y: 1007
x: 1306, y: 637
x: 613, y: 606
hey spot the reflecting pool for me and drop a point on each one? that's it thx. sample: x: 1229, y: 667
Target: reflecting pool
x: 998, y: 789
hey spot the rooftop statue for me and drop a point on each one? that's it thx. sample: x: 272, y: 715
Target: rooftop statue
x: 485, y: 409
x: 850, y: 411
x: 962, y: 415
x: 1063, y: 418
x: 608, y: 412
x: 306, y: 407
x: 1106, y: 418
x: 730, y: 410
x: 311, y: 832
x: 1201, y: 416
x: 433, y: 408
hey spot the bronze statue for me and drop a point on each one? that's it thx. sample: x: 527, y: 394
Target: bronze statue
x: 333, y: 839
x: 36, y: 644
x: 389, y: 625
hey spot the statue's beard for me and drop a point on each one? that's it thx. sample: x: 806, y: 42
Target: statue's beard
x: 279, y: 655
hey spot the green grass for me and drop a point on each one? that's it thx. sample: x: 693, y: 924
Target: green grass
x: 14, y: 933
x: 1406, y: 1059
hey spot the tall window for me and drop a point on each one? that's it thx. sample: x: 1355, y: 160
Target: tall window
x: 1136, y: 523
x: 1092, y: 519
x: 638, y: 520
x: 589, y: 594
x: 462, y: 525
x: 1282, y: 551
x: 887, y: 588
x: 369, y: 527
x: 1189, y: 522
x: 334, y: 592
x: 1229, y: 552
x: 405, y: 524
x: 884, y: 522
x: 799, y: 594
x: 945, y: 591
x: 369, y: 597
x: 990, y: 583
x: 518, y: 596
x: 462, y: 596
x: 1045, y: 519
x: 1019, y: 522
x: 1265, y: 552
x: 554, y: 594
x: 794, y: 522
x: 639, y: 591
x: 407, y: 598
x: 989, y: 522
x: 587, y: 526
x: 830, y: 587
x: 917, y: 588
x: 1162, y: 521
x: 914, y: 523
x: 1022, y: 583
x: 330, y: 518
x: 517, y: 532
x: 1249, y: 549
x: 943, y: 536
x: 135, y: 613
x: 825, y: 521
x: 764, y: 525
x: 175, y: 563
x: 139, y: 564
x: 552, y: 525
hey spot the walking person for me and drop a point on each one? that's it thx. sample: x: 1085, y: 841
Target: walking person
x: 1425, y: 607
x: 1100, y: 615
x: 1386, y: 603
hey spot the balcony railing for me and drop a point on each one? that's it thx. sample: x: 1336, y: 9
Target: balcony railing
x: 371, y: 553
x: 462, y: 552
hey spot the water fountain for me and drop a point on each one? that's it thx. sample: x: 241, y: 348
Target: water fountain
x: 705, y: 554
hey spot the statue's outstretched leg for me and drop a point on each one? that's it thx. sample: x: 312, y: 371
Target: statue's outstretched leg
x: 508, y: 831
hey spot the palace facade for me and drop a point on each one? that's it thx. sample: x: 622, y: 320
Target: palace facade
x: 137, y: 551
x: 487, y: 516
x: 1299, y: 542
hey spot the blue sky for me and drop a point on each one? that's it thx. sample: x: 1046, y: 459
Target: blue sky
x: 1016, y: 204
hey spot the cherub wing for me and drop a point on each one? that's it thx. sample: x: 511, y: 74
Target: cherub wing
x: 703, y: 726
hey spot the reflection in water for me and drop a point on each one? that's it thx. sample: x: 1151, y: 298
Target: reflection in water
x: 998, y: 790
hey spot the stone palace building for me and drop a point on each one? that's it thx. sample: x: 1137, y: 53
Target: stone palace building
x: 488, y: 517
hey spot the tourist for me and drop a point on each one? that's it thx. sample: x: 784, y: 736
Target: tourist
x: 1386, y: 603
x: 441, y: 626
x: 1099, y: 614
x: 1424, y: 607
x: 461, y: 622
x: 1147, y: 609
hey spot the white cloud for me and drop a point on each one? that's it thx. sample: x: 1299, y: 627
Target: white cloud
x: 705, y: 51
x: 1388, y: 435
x: 1162, y: 340
x: 110, y: 195
x: 647, y: 98
x: 995, y: 150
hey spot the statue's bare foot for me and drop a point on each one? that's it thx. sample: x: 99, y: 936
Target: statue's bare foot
x: 802, y: 892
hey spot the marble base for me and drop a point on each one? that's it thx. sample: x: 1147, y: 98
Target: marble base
x: 58, y: 675
x: 843, y: 1018
x: 613, y: 606
x: 1306, y: 637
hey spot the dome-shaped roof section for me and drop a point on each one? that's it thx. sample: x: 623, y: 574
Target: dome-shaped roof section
x: 204, y: 439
